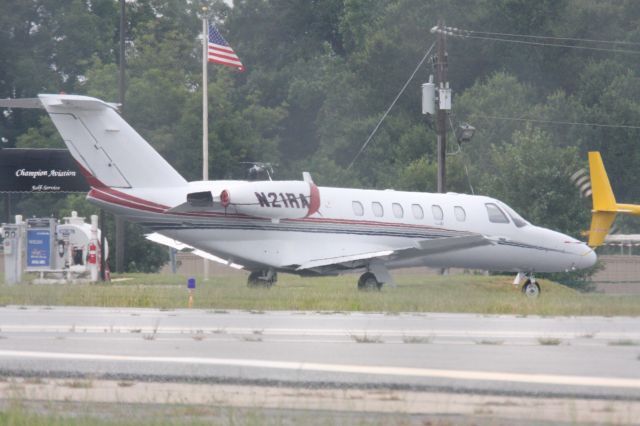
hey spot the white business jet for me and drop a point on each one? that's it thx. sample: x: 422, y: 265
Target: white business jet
x: 297, y: 227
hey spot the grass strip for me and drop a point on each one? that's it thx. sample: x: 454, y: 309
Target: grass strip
x: 413, y: 293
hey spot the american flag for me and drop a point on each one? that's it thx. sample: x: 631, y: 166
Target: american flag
x: 220, y: 52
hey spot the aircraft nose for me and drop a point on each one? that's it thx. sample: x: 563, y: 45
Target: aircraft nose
x: 588, y: 259
x: 581, y: 255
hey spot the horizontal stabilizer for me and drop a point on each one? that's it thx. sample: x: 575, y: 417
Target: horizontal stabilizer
x: 108, y: 150
x: 21, y: 103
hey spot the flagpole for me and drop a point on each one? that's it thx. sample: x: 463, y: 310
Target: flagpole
x: 205, y: 114
x: 205, y: 103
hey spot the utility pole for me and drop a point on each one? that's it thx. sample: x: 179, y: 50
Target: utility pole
x: 120, y: 225
x: 444, y: 104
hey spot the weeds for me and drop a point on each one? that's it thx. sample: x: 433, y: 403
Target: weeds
x: 80, y: 384
x: 587, y: 335
x: 417, y: 339
x: 365, y: 338
x: 489, y: 342
x: 549, y: 341
x: 624, y: 342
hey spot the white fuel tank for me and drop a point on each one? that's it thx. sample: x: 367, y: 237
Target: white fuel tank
x: 73, y: 238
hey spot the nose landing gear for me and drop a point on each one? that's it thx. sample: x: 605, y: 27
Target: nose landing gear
x: 531, y: 288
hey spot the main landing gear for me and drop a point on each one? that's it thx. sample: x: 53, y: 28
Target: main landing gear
x: 376, y: 275
x: 265, y: 278
x: 368, y: 282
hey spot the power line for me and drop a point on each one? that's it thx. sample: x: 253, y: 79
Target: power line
x: 586, y: 40
x: 570, y: 123
x: 458, y: 32
x: 391, y: 106
x: 567, y: 46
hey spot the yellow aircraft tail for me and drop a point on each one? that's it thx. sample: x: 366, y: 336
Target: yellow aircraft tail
x: 605, y: 207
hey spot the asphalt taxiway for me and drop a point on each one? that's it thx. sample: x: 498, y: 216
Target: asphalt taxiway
x: 578, y: 358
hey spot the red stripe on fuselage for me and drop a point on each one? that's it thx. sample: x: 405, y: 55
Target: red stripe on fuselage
x: 113, y: 197
x: 102, y: 192
x: 97, y: 184
x: 133, y: 199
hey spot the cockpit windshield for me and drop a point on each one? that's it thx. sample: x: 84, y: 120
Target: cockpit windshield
x: 515, y: 217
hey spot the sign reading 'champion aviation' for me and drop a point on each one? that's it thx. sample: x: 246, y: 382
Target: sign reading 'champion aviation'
x: 39, y: 170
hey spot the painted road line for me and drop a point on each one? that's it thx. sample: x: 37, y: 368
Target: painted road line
x: 545, y: 379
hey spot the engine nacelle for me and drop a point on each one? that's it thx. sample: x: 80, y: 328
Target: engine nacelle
x: 273, y: 199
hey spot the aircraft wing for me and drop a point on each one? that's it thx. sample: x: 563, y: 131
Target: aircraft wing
x: 170, y: 242
x: 418, y: 249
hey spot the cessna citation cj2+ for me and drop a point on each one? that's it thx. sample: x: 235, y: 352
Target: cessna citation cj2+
x: 295, y: 226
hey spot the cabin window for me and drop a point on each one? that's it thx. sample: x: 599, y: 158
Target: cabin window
x: 358, y: 210
x: 438, y: 215
x: 398, y: 211
x: 418, y: 213
x: 495, y: 214
x: 377, y: 209
x: 460, y: 214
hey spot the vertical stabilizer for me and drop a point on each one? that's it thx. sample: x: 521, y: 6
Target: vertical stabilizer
x: 109, y: 150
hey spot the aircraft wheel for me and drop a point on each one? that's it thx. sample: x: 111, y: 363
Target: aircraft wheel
x: 254, y: 279
x: 274, y: 279
x: 368, y: 281
x: 261, y: 279
x: 531, y: 289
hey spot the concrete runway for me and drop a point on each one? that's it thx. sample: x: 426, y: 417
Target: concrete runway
x: 578, y: 359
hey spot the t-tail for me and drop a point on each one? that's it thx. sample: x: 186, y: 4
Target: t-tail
x: 605, y: 207
x: 109, y: 151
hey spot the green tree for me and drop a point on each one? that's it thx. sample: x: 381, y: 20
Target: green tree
x: 531, y: 174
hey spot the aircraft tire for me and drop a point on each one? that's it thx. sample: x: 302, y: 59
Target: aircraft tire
x: 368, y: 282
x: 255, y: 280
x: 531, y: 289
